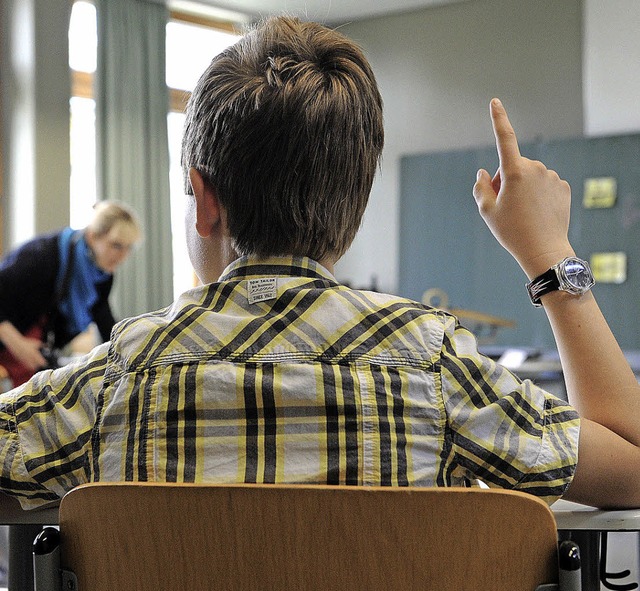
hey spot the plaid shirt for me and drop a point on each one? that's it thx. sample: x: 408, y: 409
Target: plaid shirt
x: 277, y: 373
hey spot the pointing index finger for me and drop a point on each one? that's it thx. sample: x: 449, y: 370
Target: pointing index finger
x: 506, y: 140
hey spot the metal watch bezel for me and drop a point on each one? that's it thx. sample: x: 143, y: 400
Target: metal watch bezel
x: 555, y: 278
x: 565, y: 284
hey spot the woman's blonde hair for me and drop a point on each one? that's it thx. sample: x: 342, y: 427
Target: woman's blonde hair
x: 107, y: 214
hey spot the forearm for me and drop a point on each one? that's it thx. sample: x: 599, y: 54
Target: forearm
x: 527, y: 207
x: 9, y: 335
x: 604, y: 390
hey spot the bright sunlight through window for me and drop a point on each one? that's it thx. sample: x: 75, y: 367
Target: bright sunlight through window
x: 189, y: 48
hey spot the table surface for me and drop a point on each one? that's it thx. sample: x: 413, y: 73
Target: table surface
x: 573, y: 516
x: 568, y: 515
x: 11, y: 513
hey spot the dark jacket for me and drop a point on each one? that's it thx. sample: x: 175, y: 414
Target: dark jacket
x: 28, y: 279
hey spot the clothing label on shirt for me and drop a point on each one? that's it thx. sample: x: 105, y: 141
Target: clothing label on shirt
x: 261, y: 290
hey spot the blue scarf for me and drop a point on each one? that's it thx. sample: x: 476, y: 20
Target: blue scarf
x: 81, y: 293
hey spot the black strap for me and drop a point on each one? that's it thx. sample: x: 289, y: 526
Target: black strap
x: 542, y: 285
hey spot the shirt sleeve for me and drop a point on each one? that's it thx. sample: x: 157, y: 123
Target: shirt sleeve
x: 27, y: 278
x: 504, y: 431
x: 45, y: 430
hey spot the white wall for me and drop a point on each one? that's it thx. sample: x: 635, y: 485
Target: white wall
x: 437, y: 69
x: 611, y: 66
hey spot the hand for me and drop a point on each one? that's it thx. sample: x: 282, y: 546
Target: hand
x: 25, y: 350
x: 525, y: 205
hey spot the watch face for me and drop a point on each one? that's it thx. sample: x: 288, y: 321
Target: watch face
x: 577, y: 275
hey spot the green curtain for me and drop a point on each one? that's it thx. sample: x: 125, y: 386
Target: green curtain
x: 132, y: 102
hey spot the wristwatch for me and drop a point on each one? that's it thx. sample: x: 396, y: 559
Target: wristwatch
x: 572, y: 275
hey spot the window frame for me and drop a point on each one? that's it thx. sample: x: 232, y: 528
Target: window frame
x: 82, y: 82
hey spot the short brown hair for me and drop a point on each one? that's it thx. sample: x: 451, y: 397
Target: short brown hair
x: 286, y: 126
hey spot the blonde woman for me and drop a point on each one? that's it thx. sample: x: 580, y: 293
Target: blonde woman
x: 55, y: 285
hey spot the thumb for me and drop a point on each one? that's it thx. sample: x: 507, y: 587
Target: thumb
x: 484, y: 192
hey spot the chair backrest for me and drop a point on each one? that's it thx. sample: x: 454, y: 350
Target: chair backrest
x: 143, y: 536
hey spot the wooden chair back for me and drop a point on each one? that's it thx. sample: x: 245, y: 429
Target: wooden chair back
x: 154, y: 537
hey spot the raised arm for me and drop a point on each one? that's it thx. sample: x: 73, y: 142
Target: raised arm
x: 527, y: 208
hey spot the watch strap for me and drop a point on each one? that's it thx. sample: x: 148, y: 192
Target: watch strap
x: 542, y: 285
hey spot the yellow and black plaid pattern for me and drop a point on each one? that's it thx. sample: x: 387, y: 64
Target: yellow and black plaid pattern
x: 317, y: 383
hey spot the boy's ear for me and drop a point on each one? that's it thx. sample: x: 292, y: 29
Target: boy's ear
x: 207, y: 205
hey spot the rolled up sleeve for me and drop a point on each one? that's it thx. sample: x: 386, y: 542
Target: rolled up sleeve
x: 507, y: 432
x: 45, y: 430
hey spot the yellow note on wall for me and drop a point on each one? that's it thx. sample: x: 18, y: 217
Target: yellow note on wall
x: 609, y: 267
x: 599, y: 192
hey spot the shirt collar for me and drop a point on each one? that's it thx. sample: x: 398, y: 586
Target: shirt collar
x: 252, y: 267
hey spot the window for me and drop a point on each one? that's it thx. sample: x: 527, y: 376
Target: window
x: 185, y: 63
x: 82, y: 60
x: 186, y: 36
